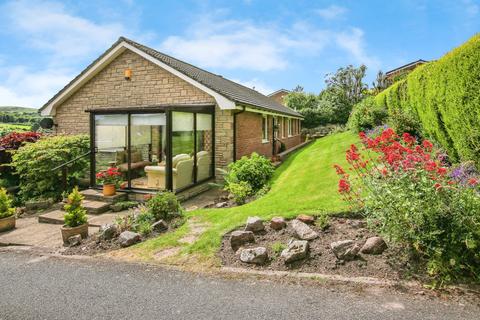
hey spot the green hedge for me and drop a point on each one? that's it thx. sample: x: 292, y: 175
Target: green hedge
x: 34, y: 162
x: 445, y: 97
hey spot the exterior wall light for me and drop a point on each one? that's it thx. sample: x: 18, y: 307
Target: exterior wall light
x: 128, y: 74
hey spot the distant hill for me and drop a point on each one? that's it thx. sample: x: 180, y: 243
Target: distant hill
x: 17, y: 109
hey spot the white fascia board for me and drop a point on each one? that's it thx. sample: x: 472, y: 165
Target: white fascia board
x: 271, y: 113
x: 222, y: 102
x: 50, y: 108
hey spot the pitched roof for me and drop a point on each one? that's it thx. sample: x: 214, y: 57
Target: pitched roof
x: 413, y: 63
x: 227, y: 88
x: 278, y: 91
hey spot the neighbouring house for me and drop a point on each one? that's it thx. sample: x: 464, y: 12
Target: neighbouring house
x: 400, y: 72
x: 279, y: 95
x: 164, y: 123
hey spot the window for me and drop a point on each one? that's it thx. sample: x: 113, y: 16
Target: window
x: 289, y: 127
x: 284, y: 127
x: 264, y: 129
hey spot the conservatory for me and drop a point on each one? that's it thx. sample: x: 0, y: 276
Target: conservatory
x: 158, y: 148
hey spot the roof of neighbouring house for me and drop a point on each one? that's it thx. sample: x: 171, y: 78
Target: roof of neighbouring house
x: 224, y: 87
x: 278, y: 91
x: 406, y: 66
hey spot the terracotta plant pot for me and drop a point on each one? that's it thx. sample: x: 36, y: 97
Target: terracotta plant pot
x: 7, y: 223
x: 68, y: 232
x: 109, y: 190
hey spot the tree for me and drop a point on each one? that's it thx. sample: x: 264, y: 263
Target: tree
x: 380, y: 83
x: 348, y: 81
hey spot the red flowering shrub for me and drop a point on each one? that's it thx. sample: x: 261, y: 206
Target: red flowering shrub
x: 15, y: 140
x: 404, y: 188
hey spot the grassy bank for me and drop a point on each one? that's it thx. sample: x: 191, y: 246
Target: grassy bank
x: 305, y: 183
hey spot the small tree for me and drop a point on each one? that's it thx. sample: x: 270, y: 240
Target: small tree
x: 6, y: 209
x: 76, y: 214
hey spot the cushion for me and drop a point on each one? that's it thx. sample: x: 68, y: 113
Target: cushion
x: 202, y: 154
x: 178, y: 158
x: 136, y: 156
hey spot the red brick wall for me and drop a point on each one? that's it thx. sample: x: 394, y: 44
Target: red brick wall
x: 249, y: 135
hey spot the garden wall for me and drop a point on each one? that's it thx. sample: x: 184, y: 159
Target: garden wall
x: 445, y: 96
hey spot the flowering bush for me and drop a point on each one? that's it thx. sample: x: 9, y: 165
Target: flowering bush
x: 15, y: 140
x: 406, y: 192
x: 109, y: 176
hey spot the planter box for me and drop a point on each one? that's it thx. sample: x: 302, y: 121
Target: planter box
x: 70, y: 232
x: 7, y: 223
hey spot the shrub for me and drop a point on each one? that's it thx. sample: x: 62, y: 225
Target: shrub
x: 143, y: 221
x: 366, y: 115
x: 34, y: 162
x: 444, y: 95
x: 255, y: 170
x: 76, y: 214
x: 164, y: 205
x: 413, y: 201
x: 240, y: 190
x: 404, y: 121
x: 6, y: 209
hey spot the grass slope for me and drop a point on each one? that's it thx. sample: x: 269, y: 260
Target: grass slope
x: 305, y: 183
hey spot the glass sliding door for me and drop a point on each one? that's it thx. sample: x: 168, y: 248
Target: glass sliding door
x: 156, y: 150
x: 183, y: 149
x: 204, y: 152
x: 147, y: 151
x: 111, y: 142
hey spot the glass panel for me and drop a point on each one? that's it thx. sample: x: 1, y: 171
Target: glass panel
x: 111, y: 142
x: 204, y: 146
x: 182, y: 149
x: 148, y: 142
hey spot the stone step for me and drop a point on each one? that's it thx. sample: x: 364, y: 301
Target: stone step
x: 56, y: 217
x: 96, y: 207
x: 96, y: 195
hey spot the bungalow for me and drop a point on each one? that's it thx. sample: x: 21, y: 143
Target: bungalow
x: 164, y: 123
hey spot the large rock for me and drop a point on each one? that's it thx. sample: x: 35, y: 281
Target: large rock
x: 254, y: 224
x: 160, y: 226
x: 306, y: 219
x: 108, y: 231
x: 345, y: 250
x: 302, y: 231
x: 254, y: 255
x: 128, y: 238
x: 239, y: 238
x: 296, y: 250
x: 278, y: 223
x: 374, y: 245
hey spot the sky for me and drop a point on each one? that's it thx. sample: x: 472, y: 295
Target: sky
x: 267, y: 45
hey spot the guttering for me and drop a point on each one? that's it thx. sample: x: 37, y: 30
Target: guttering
x: 235, y: 132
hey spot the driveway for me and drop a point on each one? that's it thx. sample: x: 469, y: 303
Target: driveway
x: 43, y: 287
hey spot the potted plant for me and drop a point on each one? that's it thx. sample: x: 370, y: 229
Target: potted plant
x: 7, y: 213
x: 75, y: 218
x: 109, y: 178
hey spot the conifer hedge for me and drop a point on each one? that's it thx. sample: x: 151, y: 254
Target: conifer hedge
x: 445, y: 97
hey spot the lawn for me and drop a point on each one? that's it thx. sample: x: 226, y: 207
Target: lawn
x: 305, y: 183
x: 6, y: 128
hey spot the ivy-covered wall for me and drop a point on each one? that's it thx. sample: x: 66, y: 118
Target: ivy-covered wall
x: 445, y: 96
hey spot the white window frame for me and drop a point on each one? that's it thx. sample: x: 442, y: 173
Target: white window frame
x: 265, y: 129
x: 284, y: 132
x: 290, y: 127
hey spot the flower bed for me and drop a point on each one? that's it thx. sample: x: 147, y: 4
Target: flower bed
x: 407, y: 194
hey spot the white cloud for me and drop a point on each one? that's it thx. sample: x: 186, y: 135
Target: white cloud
x: 353, y: 43
x: 47, y: 26
x: 22, y: 87
x: 235, y: 44
x: 58, y: 37
x: 257, y: 85
x: 331, y: 12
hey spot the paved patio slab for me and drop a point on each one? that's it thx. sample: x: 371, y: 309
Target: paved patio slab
x: 31, y: 233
